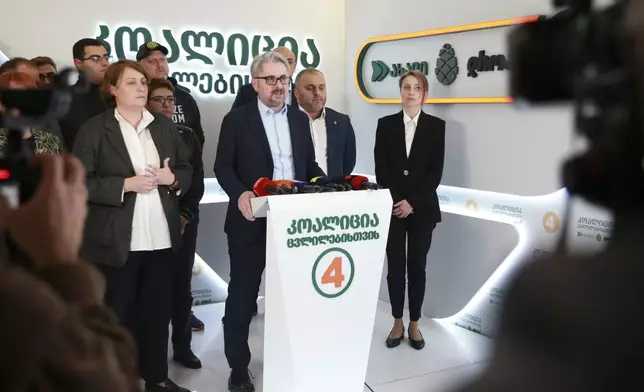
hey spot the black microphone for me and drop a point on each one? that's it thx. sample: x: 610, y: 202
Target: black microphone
x: 266, y: 187
x: 305, y: 187
x: 292, y: 187
x: 328, y: 183
x: 358, y: 183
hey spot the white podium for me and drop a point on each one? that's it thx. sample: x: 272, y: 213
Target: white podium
x: 324, y: 260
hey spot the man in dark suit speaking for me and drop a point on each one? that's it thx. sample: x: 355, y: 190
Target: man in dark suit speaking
x: 248, y: 94
x: 333, y: 136
x: 264, y: 138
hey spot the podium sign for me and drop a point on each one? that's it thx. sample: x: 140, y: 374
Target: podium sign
x: 324, y: 260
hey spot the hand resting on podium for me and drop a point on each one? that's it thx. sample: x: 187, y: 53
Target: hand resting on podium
x: 243, y: 203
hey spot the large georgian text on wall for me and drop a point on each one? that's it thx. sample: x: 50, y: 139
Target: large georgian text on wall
x: 207, y: 62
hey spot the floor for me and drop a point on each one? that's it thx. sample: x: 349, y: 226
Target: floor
x: 451, y: 356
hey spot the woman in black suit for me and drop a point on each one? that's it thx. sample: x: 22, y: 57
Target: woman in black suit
x: 409, y: 155
x: 137, y: 167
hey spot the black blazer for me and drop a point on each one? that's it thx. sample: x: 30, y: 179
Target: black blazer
x: 247, y: 94
x: 341, y: 144
x: 189, y: 202
x: 244, y: 156
x: 108, y: 227
x: 416, y: 178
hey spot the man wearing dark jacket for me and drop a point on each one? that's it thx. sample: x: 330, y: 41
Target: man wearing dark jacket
x: 182, y: 317
x: 161, y: 98
x: 153, y: 58
x: 92, y: 60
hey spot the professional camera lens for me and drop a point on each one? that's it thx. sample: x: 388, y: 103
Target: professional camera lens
x: 545, y: 58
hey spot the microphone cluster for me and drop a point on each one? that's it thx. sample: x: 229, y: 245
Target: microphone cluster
x: 267, y: 187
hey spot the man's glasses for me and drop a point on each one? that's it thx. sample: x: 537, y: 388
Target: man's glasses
x: 272, y: 80
x: 162, y: 100
x: 96, y: 58
x: 47, y: 76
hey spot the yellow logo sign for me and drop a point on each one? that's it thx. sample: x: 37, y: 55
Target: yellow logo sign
x: 550, y: 222
x: 197, y: 268
x: 471, y: 205
x: 151, y: 45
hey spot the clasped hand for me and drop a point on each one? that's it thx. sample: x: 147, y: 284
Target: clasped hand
x: 153, y: 177
x: 402, y: 209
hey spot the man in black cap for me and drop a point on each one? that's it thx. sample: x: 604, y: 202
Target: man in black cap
x: 153, y: 58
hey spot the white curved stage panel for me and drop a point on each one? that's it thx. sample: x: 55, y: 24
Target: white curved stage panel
x: 537, y: 219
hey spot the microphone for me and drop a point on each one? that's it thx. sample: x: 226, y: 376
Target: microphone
x: 305, y: 187
x: 286, y: 185
x: 333, y: 186
x: 358, y: 183
x: 299, y: 186
x: 266, y: 187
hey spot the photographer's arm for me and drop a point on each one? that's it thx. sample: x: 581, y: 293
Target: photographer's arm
x: 70, y: 338
x: 102, y: 190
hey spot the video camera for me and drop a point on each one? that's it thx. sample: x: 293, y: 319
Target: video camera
x: 30, y: 108
x: 587, y: 57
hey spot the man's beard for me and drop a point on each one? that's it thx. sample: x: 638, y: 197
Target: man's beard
x: 275, y: 102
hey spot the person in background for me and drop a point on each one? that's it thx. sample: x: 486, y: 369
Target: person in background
x: 20, y: 64
x: 46, y: 68
x: 161, y: 99
x: 38, y: 141
x: 333, y: 136
x: 137, y: 168
x: 91, y: 59
x: 264, y: 138
x: 409, y: 156
x: 153, y: 58
x: 247, y: 93
x: 60, y: 336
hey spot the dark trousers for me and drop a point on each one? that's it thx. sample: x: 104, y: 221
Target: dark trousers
x: 182, y: 294
x: 247, y: 262
x: 407, y: 247
x: 140, y: 293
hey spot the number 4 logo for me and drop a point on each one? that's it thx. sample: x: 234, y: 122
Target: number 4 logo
x: 328, y: 277
x: 550, y: 222
x: 333, y: 274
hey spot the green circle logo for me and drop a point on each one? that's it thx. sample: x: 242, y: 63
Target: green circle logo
x: 328, y: 273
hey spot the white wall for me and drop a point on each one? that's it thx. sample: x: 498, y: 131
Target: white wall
x: 41, y: 27
x: 489, y: 147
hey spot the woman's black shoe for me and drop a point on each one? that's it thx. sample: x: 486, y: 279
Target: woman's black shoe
x: 417, y: 344
x: 394, y: 342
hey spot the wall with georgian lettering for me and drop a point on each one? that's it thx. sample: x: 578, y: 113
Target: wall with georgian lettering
x: 211, y: 46
x: 211, y: 43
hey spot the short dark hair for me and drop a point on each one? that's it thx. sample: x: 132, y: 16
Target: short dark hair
x: 78, y: 50
x: 306, y: 71
x: 12, y: 65
x: 113, y: 75
x: 43, y: 60
x: 156, y: 84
